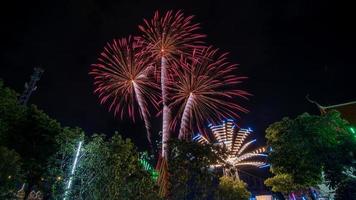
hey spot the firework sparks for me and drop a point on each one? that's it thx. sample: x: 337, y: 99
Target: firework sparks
x: 204, y: 90
x: 121, y: 80
x: 170, y: 35
x: 165, y: 38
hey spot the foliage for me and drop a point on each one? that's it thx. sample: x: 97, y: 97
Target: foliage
x: 107, y: 170
x: 34, y: 140
x: 189, y: 167
x: 346, y: 189
x: 282, y: 183
x: 110, y: 169
x: 30, y: 132
x: 10, y: 112
x: 340, y: 157
x: 10, y: 172
x: 307, y: 145
x: 231, y: 189
x: 60, y: 163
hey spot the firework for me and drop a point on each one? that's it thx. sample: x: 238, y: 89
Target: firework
x: 170, y: 35
x: 238, y: 149
x: 165, y: 38
x: 204, y: 90
x: 121, y: 79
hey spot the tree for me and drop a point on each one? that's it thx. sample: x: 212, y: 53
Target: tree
x: 11, y: 112
x: 346, y: 189
x: 59, y: 164
x: 341, y: 156
x: 304, y: 147
x: 34, y: 140
x: 190, y: 175
x: 10, y: 172
x: 283, y: 183
x: 110, y: 169
x: 232, y: 189
x: 30, y: 133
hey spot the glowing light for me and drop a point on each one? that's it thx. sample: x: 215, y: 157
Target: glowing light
x: 352, y: 129
x: 148, y: 167
x: 265, y: 166
x: 69, y: 184
x: 226, y: 136
x: 293, y: 196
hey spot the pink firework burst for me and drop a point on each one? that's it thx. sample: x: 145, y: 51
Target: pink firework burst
x: 205, y: 90
x: 166, y: 38
x: 122, y: 81
x: 170, y: 35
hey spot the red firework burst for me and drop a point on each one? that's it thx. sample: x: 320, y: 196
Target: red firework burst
x: 121, y: 79
x: 205, y: 90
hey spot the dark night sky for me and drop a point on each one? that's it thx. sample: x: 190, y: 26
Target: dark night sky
x: 287, y: 49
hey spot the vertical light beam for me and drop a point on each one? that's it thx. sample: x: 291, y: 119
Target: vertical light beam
x: 69, y: 184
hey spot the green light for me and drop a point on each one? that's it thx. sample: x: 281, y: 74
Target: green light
x: 148, y: 167
x: 352, y: 129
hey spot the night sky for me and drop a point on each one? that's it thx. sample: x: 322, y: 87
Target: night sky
x: 288, y: 49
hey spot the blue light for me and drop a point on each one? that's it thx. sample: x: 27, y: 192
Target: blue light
x: 196, y: 137
x: 265, y: 166
x: 270, y: 149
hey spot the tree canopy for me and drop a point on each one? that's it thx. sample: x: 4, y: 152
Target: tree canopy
x: 231, y: 189
x: 189, y: 168
x: 29, y: 132
x: 36, y: 149
x: 110, y: 169
x: 10, y: 172
x: 304, y: 147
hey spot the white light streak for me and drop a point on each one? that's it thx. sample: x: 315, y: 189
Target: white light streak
x: 69, y: 184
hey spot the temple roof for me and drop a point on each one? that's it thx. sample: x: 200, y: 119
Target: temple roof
x: 347, y: 110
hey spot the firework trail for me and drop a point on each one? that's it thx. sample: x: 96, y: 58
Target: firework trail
x: 167, y: 37
x: 205, y: 89
x: 121, y: 80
